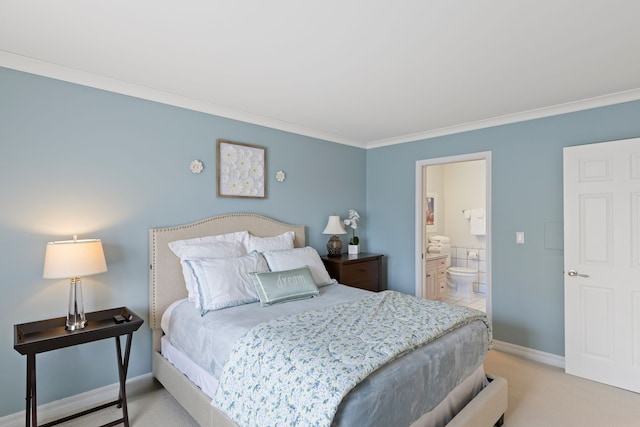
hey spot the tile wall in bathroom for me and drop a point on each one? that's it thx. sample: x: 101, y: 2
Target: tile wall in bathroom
x: 460, y: 258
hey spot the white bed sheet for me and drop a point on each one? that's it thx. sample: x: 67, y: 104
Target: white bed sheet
x: 200, y: 377
x: 165, y: 322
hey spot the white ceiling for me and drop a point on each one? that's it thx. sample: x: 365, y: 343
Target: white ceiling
x: 363, y: 73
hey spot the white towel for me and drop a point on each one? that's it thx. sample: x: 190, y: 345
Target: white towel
x: 438, y: 249
x: 477, y: 222
x: 438, y: 239
x: 439, y: 245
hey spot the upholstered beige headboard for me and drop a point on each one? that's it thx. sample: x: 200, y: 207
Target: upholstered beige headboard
x: 166, y: 283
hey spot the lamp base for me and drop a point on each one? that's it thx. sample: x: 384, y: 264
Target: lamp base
x: 75, y: 314
x: 334, y: 246
x: 74, y: 326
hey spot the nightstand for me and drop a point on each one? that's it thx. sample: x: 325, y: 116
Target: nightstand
x: 362, y: 271
x: 46, y: 335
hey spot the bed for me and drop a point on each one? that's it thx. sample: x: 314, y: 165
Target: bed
x: 466, y: 404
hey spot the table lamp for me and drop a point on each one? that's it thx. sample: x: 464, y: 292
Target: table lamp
x: 72, y: 259
x: 334, y: 227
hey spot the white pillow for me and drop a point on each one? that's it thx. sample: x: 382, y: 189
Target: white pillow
x: 220, y: 249
x: 219, y: 246
x: 261, y: 244
x: 225, y: 282
x: 296, y: 258
x: 239, y: 236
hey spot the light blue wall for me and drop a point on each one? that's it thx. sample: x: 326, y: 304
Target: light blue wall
x: 79, y: 160
x: 76, y: 160
x: 526, y: 196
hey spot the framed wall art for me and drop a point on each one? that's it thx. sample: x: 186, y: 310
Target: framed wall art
x: 431, y: 216
x: 240, y: 170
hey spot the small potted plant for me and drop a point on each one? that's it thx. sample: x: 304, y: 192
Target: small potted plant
x: 354, y: 241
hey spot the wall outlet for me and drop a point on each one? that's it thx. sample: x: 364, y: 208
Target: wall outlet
x: 520, y: 237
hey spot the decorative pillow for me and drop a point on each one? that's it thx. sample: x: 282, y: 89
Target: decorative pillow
x: 297, y: 258
x: 280, y: 286
x: 219, y: 246
x: 225, y: 282
x: 261, y: 244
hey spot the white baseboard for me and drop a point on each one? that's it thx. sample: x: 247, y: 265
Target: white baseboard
x: 529, y: 353
x: 72, y: 404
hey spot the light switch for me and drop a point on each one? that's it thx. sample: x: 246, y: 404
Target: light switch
x: 520, y: 237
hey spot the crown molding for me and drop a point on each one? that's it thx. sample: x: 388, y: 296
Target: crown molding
x: 539, y: 113
x: 47, y: 69
x: 71, y: 75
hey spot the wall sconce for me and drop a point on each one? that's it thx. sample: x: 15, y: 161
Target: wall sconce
x: 334, y: 227
x: 72, y: 259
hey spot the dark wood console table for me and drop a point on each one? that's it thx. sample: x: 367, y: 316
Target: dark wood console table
x: 46, y: 335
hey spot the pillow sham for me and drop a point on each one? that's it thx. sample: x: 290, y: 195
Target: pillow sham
x: 238, y: 236
x: 281, y: 286
x: 262, y: 244
x: 297, y: 258
x: 225, y: 282
x: 220, y: 249
x: 219, y: 246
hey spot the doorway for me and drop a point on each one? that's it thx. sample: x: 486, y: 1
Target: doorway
x: 448, y: 190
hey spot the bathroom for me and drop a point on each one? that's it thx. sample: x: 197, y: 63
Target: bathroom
x: 456, y: 192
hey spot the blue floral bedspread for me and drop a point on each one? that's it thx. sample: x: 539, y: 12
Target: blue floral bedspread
x: 295, y: 370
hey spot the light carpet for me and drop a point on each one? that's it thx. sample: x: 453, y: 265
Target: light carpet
x: 539, y: 396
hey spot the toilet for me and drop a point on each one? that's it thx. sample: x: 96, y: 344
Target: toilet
x: 461, y: 279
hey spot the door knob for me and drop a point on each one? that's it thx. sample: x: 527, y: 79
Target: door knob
x: 574, y: 273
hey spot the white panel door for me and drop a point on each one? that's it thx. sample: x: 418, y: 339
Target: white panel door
x: 602, y: 262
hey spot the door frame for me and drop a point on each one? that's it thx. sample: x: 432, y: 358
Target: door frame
x: 420, y: 226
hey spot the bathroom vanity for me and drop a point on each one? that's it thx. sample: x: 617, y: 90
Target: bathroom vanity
x: 436, y: 280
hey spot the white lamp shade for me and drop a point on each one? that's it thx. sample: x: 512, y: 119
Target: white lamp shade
x: 74, y: 258
x: 334, y: 226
